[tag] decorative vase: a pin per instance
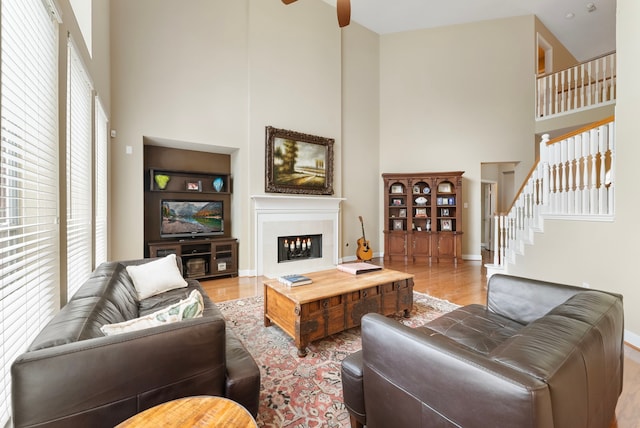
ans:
(162, 180)
(217, 184)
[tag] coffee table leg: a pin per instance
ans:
(407, 313)
(302, 351)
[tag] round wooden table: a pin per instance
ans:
(200, 411)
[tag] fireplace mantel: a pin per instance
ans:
(278, 215)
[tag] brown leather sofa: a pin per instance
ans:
(538, 354)
(74, 376)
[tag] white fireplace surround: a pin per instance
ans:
(295, 215)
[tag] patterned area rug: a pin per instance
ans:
(305, 392)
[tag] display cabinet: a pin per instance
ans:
(422, 216)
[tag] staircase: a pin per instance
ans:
(574, 177)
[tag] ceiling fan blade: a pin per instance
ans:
(343, 8)
(288, 1)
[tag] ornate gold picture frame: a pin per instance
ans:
(298, 163)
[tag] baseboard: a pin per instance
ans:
(632, 339)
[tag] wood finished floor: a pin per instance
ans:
(462, 285)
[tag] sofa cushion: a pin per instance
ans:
(474, 327)
(156, 277)
(191, 307)
(111, 281)
(79, 319)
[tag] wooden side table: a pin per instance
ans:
(200, 411)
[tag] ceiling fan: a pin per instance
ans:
(343, 7)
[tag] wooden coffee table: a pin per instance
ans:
(334, 302)
(200, 411)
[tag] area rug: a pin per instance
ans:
(305, 392)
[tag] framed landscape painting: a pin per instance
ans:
(298, 163)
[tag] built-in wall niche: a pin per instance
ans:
(174, 174)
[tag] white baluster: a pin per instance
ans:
(579, 184)
(602, 152)
(611, 180)
(598, 99)
(593, 151)
(582, 89)
(562, 193)
(612, 74)
(557, 184)
(585, 172)
(503, 236)
(590, 83)
(496, 240)
(555, 94)
(571, 208)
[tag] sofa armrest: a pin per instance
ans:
(353, 388)
(130, 372)
(243, 375)
(523, 299)
(418, 377)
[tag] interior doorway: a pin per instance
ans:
(544, 55)
(498, 190)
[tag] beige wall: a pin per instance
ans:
(454, 97)
(210, 75)
(215, 73)
(602, 254)
(360, 134)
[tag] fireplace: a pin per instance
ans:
(295, 216)
(299, 247)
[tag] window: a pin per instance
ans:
(101, 190)
(79, 172)
(29, 240)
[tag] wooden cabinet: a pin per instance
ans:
(201, 258)
(423, 216)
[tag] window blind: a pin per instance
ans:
(101, 189)
(29, 241)
(79, 172)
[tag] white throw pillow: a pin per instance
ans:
(156, 277)
(191, 307)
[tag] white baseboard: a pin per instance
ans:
(632, 338)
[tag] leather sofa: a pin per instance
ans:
(72, 375)
(538, 354)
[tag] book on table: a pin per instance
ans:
(358, 268)
(295, 280)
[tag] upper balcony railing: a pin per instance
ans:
(587, 85)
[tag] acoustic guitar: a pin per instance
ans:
(364, 251)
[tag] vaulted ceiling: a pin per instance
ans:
(585, 27)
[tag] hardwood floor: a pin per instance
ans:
(462, 285)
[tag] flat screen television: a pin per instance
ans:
(192, 219)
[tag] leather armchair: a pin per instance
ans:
(538, 354)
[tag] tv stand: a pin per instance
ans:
(201, 257)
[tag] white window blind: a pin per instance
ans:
(79, 172)
(101, 189)
(29, 242)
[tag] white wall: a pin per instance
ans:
(454, 97)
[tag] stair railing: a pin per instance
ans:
(574, 179)
(587, 85)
